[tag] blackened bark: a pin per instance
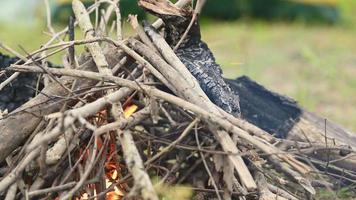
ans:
(19, 90)
(269, 111)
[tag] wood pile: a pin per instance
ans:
(127, 120)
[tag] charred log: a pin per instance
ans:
(18, 91)
(268, 110)
(196, 55)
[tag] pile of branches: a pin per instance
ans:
(127, 112)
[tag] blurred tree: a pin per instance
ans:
(223, 9)
(305, 10)
(295, 10)
(63, 9)
(130, 7)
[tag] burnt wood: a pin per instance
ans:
(194, 53)
(19, 90)
(272, 112)
(268, 110)
(280, 115)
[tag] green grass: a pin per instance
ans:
(31, 38)
(346, 193)
(316, 65)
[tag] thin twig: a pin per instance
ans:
(206, 165)
(179, 139)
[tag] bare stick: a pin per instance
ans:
(55, 153)
(49, 16)
(280, 192)
(8, 80)
(108, 13)
(141, 33)
(264, 192)
(143, 185)
(209, 116)
(197, 10)
(124, 123)
(146, 64)
(71, 49)
(187, 87)
(84, 111)
(113, 6)
(11, 193)
(180, 69)
(237, 160)
(52, 189)
(15, 75)
(206, 165)
(179, 139)
(89, 33)
(87, 172)
(24, 120)
(55, 36)
(12, 51)
(12, 176)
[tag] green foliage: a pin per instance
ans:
(223, 9)
(130, 7)
(63, 11)
(270, 10)
(234, 9)
(280, 9)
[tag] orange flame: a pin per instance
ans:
(112, 169)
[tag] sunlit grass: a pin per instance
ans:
(316, 65)
(28, 38)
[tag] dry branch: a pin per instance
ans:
(274, 153)
(126, 111)
(29, 115)
(143, 186)
(191, 91)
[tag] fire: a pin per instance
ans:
(112, 175)
(112, 168)
(129, 110)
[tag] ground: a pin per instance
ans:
(314, 64)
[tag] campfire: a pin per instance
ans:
(150, 116)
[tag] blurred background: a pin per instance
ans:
(305, 49)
